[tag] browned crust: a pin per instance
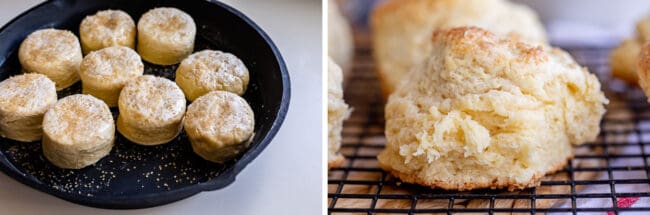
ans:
(643, 66)
(336, 162)
(621, 71)
(618, 73)
(469, 33)
(446, 185)
(478, 38)
(459, 34)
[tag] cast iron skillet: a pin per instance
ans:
(135, 176)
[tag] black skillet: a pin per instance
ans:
(135, 176)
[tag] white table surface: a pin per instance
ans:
(285, 178)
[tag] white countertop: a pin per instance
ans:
(285, 178)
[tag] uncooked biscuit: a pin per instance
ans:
(210, 70)
(401, 29)
(489, 112)
(54, 53)
(104, 72)
(107, 28)
(337, 111)
(165, 36)
(77, 132)
(151, 110)
(219, 125)
(24, 99)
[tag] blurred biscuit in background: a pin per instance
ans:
(340, 44)
(402, 29)
(623, 59)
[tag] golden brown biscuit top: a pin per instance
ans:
(474, 57)
(466, 40)
(643, 68)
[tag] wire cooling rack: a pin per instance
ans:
(609, 171)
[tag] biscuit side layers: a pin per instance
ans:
(484, 111)
(337, 111)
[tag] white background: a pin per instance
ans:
(285, 178)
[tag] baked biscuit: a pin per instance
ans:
(151, 110)
(104, 72)
(339, 35)
(165, 36)
(54, 53)
(643, 29)
(401, 29)
(219, 125)
(77, 132)
(337, 111)
(623, 61)
(483, 111)
(24, 99)
(210, 70)
(105, 29)
(643, 68)
(623, 58)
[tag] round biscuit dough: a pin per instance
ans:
(210, 70)
(151, 110)
(104, 72)
(52, 52)
(24, 99)
(165, 36)
(219, 125)
(78, 131)
(107, 28)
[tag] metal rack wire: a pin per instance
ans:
(617, 162)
